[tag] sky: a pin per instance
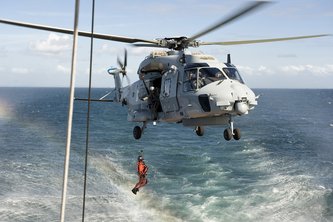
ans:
(37, 58)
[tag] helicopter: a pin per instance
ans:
(194, 89)
(179, 86)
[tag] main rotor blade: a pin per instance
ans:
(69, 31)
(250, 8)
(262, 40)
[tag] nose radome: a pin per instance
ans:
(231, 96)
(241, 108)
(242, 98)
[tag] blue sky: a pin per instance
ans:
(37, 58)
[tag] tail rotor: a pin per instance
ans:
(123, 65)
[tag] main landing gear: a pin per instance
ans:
(231, 132)
(228, 133)
(138, 131)
(199, 130)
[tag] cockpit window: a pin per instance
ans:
(211, 74)
(196, 78)
(233, 73)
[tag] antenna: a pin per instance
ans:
(228, 58)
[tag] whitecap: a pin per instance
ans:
(321, 187)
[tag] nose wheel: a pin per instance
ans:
(199, 130)
(227, 134)
(231, 132)
(236, 134)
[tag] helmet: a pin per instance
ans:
(140, 158)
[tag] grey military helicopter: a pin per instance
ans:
(179, 86)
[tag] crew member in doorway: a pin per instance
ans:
(153, 100)
(142, 172)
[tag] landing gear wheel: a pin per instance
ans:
(199, 131)
(227, 134)
(237, 134)
(137, 132)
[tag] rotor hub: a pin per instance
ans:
(176, 43)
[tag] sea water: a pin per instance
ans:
(280, 170)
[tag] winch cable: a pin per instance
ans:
(88, 110)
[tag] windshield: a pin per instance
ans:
(198, 77)
(233, 73)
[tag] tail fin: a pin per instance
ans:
(115, 72)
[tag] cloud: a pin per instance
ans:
(325, 70)
(119, 50)
(141, 51)
(53, 45)
(314, 70)
(107, 48)
(63, 69)
(265, 70)
(246, 69)
(256, 71)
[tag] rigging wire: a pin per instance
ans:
(88, 111)
(70, 111)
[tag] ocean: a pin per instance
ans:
(280, 170)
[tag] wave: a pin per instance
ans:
(124, 205)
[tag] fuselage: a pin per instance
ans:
(192, 88)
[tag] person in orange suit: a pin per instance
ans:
(142, 172)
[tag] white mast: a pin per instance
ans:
(70, 111)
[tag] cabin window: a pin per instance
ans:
(190, 79)
(167, 86)
(233, 73)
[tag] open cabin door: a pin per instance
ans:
(169, 88)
